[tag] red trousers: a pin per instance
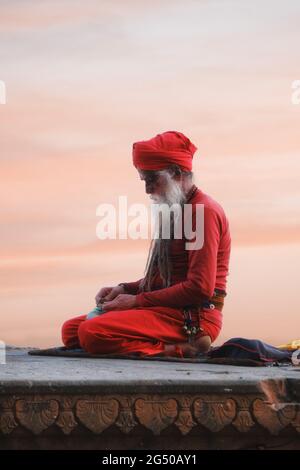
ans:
(140, 330)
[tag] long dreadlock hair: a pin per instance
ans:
(159, 251)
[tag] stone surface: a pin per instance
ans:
(58, 402)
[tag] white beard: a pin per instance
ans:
(174, 197)
(173, 191)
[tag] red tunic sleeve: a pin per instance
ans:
(201, 273)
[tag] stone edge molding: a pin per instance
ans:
(155, 412)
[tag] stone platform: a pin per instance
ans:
(75, 403)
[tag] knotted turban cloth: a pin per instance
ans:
(163, 150)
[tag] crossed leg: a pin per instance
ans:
(145, 331)
(120, 332)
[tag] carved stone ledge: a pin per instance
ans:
(97, 413)
(185, 421)
(37, 414)
(273, 418)
(243, 421)
(296, 421)
(66, 420)
(215, 412)
(126, 421)
(155, 412)
(7, 417)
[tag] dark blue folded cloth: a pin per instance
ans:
(253, 349)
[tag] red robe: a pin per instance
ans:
(158, 318)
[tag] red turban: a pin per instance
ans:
(163, 150)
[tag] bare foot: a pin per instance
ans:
(201, 345)
(187, 350)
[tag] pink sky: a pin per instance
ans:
(86, 80)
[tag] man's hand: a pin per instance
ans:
(108, 293)
(121, 302)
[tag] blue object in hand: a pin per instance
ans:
(95, 312)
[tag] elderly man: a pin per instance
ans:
(176, 308)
